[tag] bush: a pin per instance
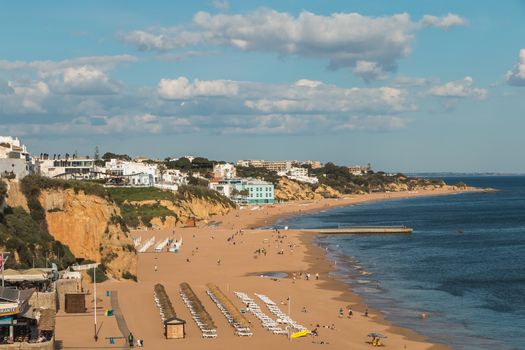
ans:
(133, 215)
(132, 194)
(100, 272)
(129, 276)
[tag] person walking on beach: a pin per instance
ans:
(317, 276)
(350, 313)
(131, 339)
(341, 312)
(156, 268)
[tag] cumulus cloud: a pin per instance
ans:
(182, 89)
(516, 76)
(84, 81)
(445, 22)
(371, 46)
(181, 106)
(24, 97)
(82, 75)
(369, 71)
(458, 89)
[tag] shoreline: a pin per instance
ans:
(316, 257)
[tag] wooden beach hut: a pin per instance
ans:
(174, 328)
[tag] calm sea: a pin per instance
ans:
(464, 265)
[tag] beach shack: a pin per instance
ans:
(17, 322)
(174, 327)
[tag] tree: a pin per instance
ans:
(96, 156)
(108, 156)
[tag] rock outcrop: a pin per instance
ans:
(190, 208)
(15, 197)
(91, 226)
(289, 190)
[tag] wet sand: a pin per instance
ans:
(239, 270)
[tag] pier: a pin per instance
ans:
(363, 230)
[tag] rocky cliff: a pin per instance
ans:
(289, 190)
(190, 207)
(91, 227)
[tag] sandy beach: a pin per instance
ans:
(314, 303)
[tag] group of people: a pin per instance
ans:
(131, 341)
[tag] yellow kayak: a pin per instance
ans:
(300, 334)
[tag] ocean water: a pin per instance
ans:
(464, 265)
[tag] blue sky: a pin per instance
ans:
(404, 85)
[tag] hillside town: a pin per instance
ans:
(110, 169)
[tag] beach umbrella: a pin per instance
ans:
(377, 335)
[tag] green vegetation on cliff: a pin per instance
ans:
(29, 243)
(339, 178)
(133, 215)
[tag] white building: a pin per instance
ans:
(15, 161)
(69, 168)
(137, 174)
(359, 170)
(299, 174)
(224, 171)
(272, 165)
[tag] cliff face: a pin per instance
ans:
(288, 190)
(15, 197)
(191, 207)
(90, 226)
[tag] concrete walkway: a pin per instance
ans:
(121, 322)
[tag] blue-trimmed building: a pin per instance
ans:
(245, 191)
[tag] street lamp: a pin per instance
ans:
(3, 259)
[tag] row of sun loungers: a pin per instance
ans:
(266, 321)
(161, 245)
(199, 314)
(137, 241)
(147, 245)
(281, 316)
(163, 302)
(234, 317)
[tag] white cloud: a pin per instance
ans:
(324, 98)
(49, 67)
(24, 97)
(85, 81)
(445, 22)
(516, 76)
(82, 75)
(458, 89)
(369, 71)
(221, 5)
(182, 89)
(370, 45)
